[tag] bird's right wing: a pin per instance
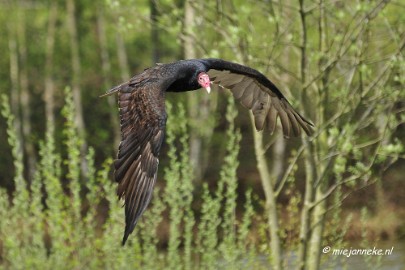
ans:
(143, 121)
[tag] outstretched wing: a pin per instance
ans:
(143, 120)
(258, 94)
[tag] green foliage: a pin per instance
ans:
(372, 262)
(179, 190)
(56, 222)
(229, 178)
(207, 239)
(16, 151)
(16, 215)
(336, 230)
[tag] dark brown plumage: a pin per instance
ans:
(143, 118)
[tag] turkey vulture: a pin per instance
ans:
(143, 118)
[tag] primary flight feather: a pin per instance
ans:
(143, 118)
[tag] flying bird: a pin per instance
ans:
(143, 118)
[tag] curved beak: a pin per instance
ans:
(208, 88)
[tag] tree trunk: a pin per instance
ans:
(193, 100)
(381, 200)
(76, 80)
(189, 25)
(200, 105)
(106, 68)
(154, 32)
(278, 159)
(122, 57)
(14, 79)
(271, 198)
(310, 167)
(25, 97)
(49, 92)
(76, 67)
(317, 226)
(268, 184)
(317, 180)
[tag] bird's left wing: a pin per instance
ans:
(143, 120)
(258, 94)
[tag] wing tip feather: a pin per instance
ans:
(126, 235)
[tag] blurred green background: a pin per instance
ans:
(227, 196)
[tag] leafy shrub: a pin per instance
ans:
(70, 218)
